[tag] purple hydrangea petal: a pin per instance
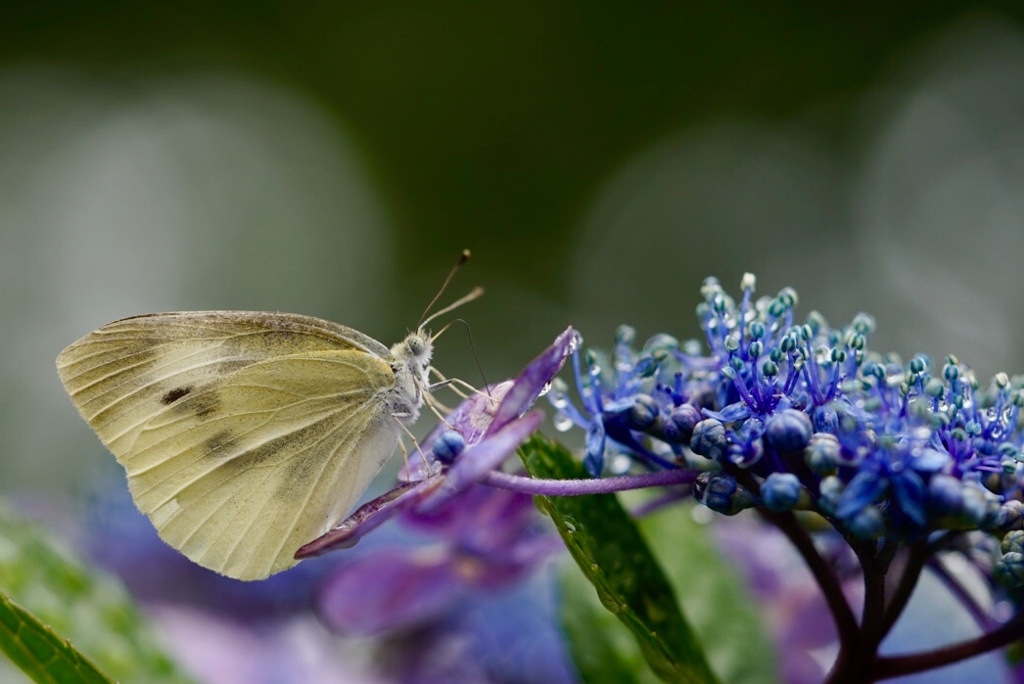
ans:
(481, 458)
(389, 589)
(731, 413)
(863, 490)
(470, 419)
(217, 649)
(930, 461)
(532, 381)
(911, 495)
(369, 516)
(479, 511)
(594, 458)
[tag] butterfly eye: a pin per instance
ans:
(416, 345)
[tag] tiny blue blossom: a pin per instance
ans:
(781, 491)
(911, 451)
(779, 414)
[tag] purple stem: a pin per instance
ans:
(604, 485)
(894, 666)
(915, 562)
(824, 575)
(981, 617)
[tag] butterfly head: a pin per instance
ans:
(410, 361)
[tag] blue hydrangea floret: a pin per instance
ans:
(778, 414)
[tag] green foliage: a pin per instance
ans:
(603, 649)
(39, 652)
(610, 551)
(713, 597)
(43, 584)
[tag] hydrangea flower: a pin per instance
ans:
(901, 459)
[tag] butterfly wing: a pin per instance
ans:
(243, 435)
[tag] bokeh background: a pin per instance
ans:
(600, 159)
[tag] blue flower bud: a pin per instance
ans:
(868, 523)
(830, 490)
(448, 446)
(945, 496)
(721, 493)
(1009, 570)
(823, 453)
(1013, 542)
(788, 432)
(863, 323)
(1011, 450)
(950, 371)
(934, 388)
(781, 491)
(1011, 516)
(788, 297)
(643, 414)
(873, 369)
(990, 518)
(825, 419)
(625, 334)
(748, 282)
(815, 322)
(678, 428)
(975, 505)
(709, 440)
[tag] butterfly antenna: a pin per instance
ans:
(475, 293)
(472, 347)
(463, 258)
(476, 359)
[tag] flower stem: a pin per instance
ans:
(956, 588)
(603, 485)
(895, 666)
(918, 556)
(846, 624)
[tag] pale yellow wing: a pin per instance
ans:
(243, 436)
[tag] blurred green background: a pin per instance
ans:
(600, 159)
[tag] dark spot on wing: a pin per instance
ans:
(200, 402)
(205, 404)
(175, 394)
(215, 443)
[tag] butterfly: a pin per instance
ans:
(245, 435)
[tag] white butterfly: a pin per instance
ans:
(245, 435)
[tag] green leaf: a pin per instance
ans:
(603, 649)
(713, 596)
(610, 551)
(44, 584)
(39, 652)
